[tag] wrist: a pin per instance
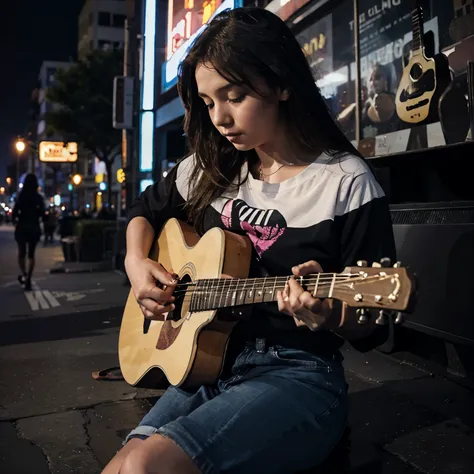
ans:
(131, 258)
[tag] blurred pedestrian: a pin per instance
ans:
(50, 224)
(28, 210)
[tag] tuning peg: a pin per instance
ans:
(363, 316)
(385, 262)
(397, 264)
(399, 319)
(382, 320)
(361, 263)
(376, 265)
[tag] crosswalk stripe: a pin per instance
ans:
(36, 299)
(51, 299)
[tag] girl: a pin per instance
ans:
(267, 161)
(28, 211)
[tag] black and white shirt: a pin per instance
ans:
(334, 212)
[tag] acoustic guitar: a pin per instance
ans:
(423, 81)
(190, 345)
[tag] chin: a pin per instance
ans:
(242, 146)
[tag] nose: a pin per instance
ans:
(221, 116)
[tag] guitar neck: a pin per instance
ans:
(417, 27)
(224, 293)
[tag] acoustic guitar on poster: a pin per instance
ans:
(190, 345)
(423, 81)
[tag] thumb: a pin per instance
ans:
(159, 273)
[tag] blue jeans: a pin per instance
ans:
(280, 411)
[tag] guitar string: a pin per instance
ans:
(322, 277)
(324, 285)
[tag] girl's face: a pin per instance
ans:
(246, 119)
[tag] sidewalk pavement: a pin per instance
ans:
(55, 419)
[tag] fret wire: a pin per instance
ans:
(204, 293)
(198, 299)
(227, 293)
(316, 287)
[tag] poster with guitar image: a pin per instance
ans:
(413, 81)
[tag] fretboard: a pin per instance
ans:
(225, 293)
(417, 25)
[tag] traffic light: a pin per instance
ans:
(122, 117)
(121, 175)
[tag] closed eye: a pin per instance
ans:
(237, 99)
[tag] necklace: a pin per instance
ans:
(262, 175)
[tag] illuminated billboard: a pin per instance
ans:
(58, 152)
(186, 20)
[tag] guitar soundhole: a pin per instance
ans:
(416, 72)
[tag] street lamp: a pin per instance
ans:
(9, 181)
(20, 148)
(77, 179)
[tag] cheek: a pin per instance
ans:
(261, 117)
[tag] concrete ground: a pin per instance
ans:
(55, 419)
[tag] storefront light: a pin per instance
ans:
(144, 183)
(148, 92)
(147, 128)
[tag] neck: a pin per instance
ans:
(281, 151)
(223, 293)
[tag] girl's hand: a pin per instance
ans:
(300, 304)
(152, 286)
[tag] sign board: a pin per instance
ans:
(286, 8)
(186, 21)
(58, 152)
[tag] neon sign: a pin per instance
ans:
(186, 20)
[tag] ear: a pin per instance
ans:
(284, 95)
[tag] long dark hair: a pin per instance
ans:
(29, 192)
(244, 44)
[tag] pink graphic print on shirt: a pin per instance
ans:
(263, 226)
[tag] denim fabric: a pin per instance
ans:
(281, 410)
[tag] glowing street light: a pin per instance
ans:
(77, 179)
(20, 146)
(9, 181)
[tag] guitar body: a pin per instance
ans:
(416, 89)
(189, 351)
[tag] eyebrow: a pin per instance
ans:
(225, 88)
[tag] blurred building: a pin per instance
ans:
(52, 176)
(101, 26)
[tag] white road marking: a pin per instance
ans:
(40, 299)
(51, 299)
(76, 295)
(36, 299)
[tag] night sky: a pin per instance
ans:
(31, 31)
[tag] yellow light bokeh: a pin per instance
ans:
(20, 146)
(77, 179)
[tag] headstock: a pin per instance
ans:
(382, 286)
